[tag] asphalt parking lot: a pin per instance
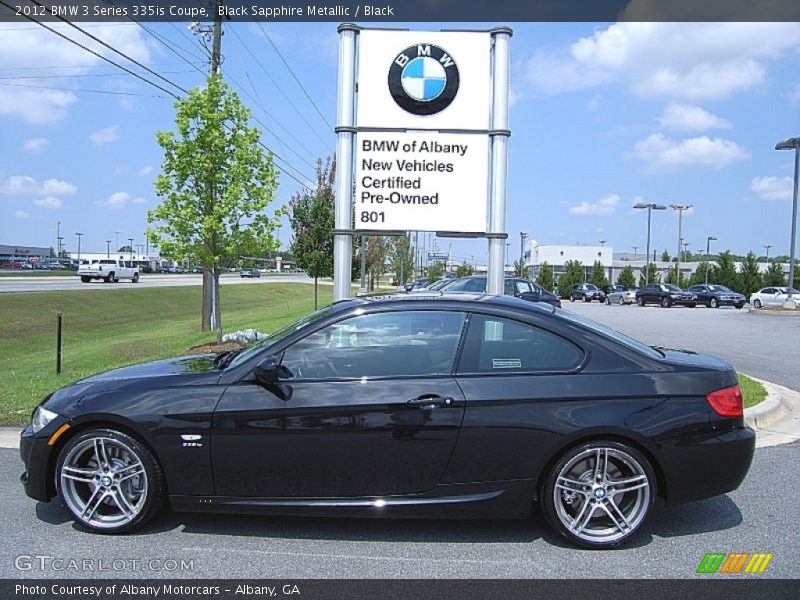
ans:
(761, 516)
(764, 346)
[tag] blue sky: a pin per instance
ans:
(602, 114)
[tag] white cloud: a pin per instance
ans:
(772, 188)
(24, 47)
(105, 136)
(146, 170)
(48, 202)
(658, 59)
(602, 208)
(25, 185)
(662, 154)
(685, 117)
(21, 214)
(594, 103)
(119, 200)
(37, 144)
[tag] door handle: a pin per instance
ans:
(431, 401)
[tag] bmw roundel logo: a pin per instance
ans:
(423, 79)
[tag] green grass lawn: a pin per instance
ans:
(26, 273)
(108, 329)
(752, 391)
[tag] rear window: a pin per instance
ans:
(108, 262)
(615, 335)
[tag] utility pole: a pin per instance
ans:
(522, 236)
(80, 235)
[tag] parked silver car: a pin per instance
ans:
(619, 294)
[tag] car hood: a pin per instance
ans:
(181, 365)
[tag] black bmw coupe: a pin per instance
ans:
(412, 405)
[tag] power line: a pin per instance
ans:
(278, 52)
(64, 89)
(75, 75)
(97, 54)
(73, 66)
(280, 89)
(122, 54)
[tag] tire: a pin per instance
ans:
(135, 278)
(739, 306)
(691, 305)
(621, 301)
(665, 303)
(713, 303)
(94, 497)
(587, 299)
(575, 485)
(756, 303)
(571, 298)
(85, 279)
(109, 278)
(608, 301)
(640, 301)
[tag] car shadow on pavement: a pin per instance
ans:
(715, 514)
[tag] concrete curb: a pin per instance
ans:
(766, 412)
(774, 313)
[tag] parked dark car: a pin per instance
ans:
(586, 292)
(513, 286)
(714, 296)
(418, 283)
(457, 406)
(666, 295)
(252, 273)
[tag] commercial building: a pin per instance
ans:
(19, 254)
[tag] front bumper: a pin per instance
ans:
(704, 465)
(37, 457)
(730, 301)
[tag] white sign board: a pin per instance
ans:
(424, 80)
(426, 181)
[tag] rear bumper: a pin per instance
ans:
(699, 466)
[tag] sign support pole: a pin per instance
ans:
(499, 133)
(343, 243)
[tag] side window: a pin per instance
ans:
(475, 285)
(497, 345)
(458, 286)
(522, 286)
(377, 345)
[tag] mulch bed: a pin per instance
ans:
(213, 348)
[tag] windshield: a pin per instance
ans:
(718, 288)
(273, 337)
(615, 335)
(591, 287)
(671, 288)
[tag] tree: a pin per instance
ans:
(464, 270)
(699, 276)
(750, 279)
(655, 276)
(774, 276)
(665, 256)
(545, 277)
(216, 181)
(400, 259)
(724, 271)
(626, 277)
(311, 216)
(520, 268)
(376, 252)
(598, 276)
(435, 271)
(573, 275)
(675, 277)
(127, 249)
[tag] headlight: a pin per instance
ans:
(41, 418)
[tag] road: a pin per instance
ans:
(61, 283)
(761, 345)
(761, 516)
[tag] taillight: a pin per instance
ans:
(727, 402)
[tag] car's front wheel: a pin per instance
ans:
(665, 303)
(640, 301)
(599, 494)
(109, 481)
(135, 278)
(621, 301)
(757, 304)
(572, 298)
(713, 303)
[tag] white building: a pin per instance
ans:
(557, 255)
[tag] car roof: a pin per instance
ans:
(462, 300)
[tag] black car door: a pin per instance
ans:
(366, 406)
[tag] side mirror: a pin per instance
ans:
(267, 370)
(408, 287)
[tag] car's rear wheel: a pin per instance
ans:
(608, 300)
(640, 301)
(85, 279)
(109, 481)
(572, 298)
(621, 301)
(665, 303)
(713, 303)
(756, 303)
(135, 278)
(110, 277)
(599, 494)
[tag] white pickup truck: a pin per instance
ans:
(109, 270)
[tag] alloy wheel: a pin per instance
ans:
(602, 495)
(104, 482)
(621, 301)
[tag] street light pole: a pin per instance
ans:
(130, 246)
(522, 236)
(767, 247)
(792, 143)
(108, 248)
(650, 207)
(708, 251)
(680, 208)
(80, 235)
(116, 241)
(58, 239)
